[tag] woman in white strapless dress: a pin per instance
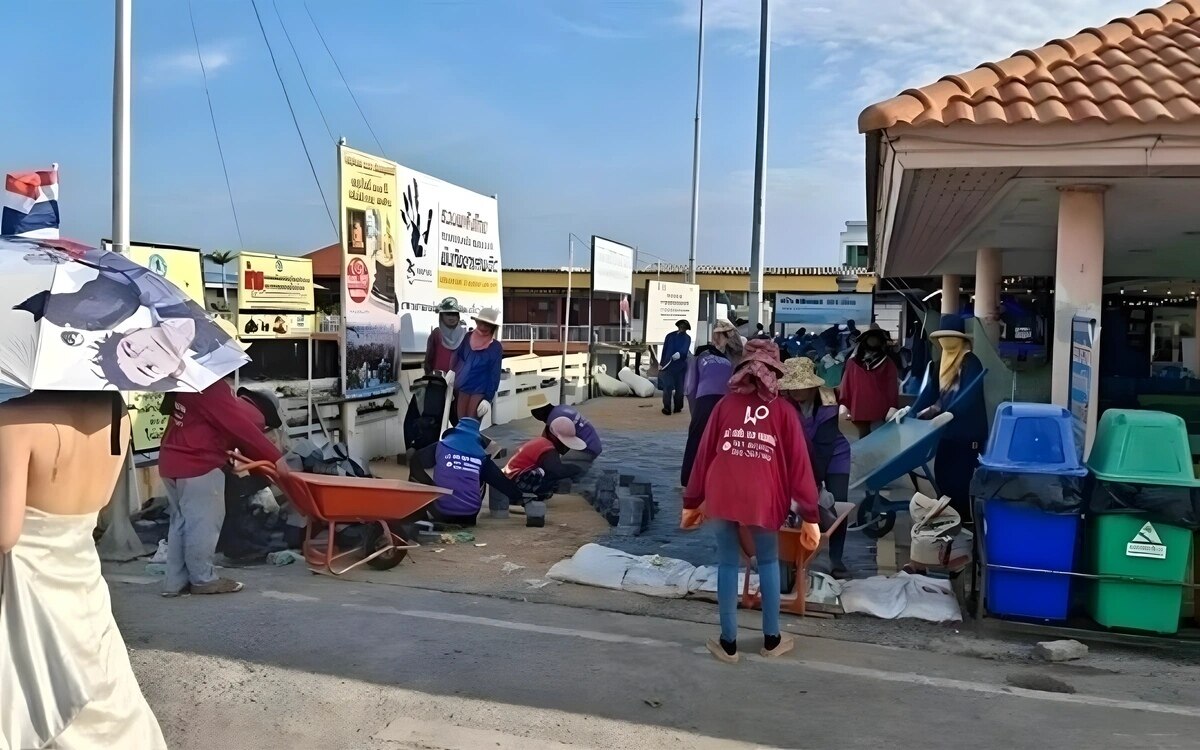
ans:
(65, 675)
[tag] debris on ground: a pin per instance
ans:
(1044, 683)
(457, 537)
(156, 569)
(284, 557)
(539, 583)
(652, 702)
(1056, 651)
(510, 567)
(493, 558)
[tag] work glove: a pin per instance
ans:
(843, 412)
(810, 536)
(891, 413)
(483, 410)
(675, 356)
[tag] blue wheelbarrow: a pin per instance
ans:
(903, 446)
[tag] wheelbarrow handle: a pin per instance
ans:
(241, 464)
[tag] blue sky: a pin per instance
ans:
(577, 113)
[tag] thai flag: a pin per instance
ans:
(31, 204)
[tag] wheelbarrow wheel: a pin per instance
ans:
(376, 540)
(874, 525)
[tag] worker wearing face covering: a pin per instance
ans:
(954, 384)
(870, 387)
(444, 341)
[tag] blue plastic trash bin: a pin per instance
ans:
(1033, 439)
(1021, 536)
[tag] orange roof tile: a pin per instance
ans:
(1139, 69)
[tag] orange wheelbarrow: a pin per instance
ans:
(330, 500)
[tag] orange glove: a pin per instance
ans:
(692, 519)
(810, 536)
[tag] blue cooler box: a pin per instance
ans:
(1021, 536)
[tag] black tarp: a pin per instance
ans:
(1177, 506)
(1050, 493)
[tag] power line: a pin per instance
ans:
(295, 122)
(216, 135)
(303, 74)
(349, 90)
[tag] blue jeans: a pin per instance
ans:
(729, 549)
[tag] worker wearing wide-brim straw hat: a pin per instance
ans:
(828, 448)
(953, 383)
(478, 373)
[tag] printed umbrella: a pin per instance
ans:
(76, 318)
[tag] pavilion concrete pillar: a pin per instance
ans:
(950, 294)
(987, 291)
(1078, 273)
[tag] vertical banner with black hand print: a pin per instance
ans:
(451, 248)
(368, 211)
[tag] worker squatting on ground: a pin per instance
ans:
(545, 412)
(460, 463)
(751, 469)
(537, 466)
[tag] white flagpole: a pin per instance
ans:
(120, 540)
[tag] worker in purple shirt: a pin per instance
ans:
(545, 412)
(706, 382)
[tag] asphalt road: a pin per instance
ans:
(298, 661)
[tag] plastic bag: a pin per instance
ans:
(1049, 493)
(1177, 506)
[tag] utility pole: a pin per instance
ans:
(121, 138)
(760, 167)
(691, 275)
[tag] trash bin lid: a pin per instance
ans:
(1147, 447)
(1033, 439)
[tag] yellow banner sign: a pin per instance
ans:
(182, 267)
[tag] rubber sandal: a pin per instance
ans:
(714, 648)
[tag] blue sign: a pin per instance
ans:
(1081, 392)
(825, 309)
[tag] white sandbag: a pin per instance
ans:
(902, 596)
(655, 575)
(704, 580)
(594, 565)
(608, 385)
(642, 388)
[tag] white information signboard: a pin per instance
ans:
(668, 302)
(612, 266)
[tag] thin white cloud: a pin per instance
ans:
(182, 65)
(916, 41)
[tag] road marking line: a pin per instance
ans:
(283, 596)
(983, 687)
(590, 635)
(911, 678)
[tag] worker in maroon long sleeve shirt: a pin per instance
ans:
(203, 428)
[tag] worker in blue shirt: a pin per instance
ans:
(673, 366)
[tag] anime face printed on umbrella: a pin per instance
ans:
(146, 357)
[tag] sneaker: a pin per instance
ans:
(219, 586)
(667, 412)
(717, 650)
(185, 591)
(784, 646)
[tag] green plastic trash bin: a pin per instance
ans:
(1143, 447)
(1130, 546)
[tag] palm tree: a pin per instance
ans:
(222, 258)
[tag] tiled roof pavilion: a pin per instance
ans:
(1144, 69)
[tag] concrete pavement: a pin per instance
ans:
(299, 661)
